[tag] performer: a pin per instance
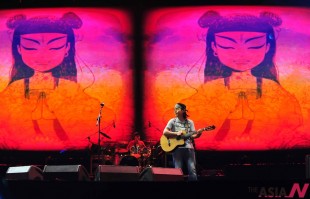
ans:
(136, 145)
(175, 128)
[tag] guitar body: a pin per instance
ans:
(169, 144)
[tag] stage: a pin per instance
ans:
(229, 175)
(206, 188)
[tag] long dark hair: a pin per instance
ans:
(183, 108)
(216, 23)
(21, 25)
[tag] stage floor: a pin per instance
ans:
(206, 188)
(221, 175)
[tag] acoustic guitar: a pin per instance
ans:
(169, 144)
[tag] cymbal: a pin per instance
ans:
(108, 143)
(121, 150)
(105, 135)
(136, 155)
(122, 142)
(153, 142)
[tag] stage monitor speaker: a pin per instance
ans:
(24, 173)
(307, 163)
(117, 173)
(65, 173)
(161, 174)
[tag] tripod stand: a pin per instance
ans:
(100, 158)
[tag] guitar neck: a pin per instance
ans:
(192, 133)
(204, 129)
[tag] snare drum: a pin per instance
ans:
(146, 151)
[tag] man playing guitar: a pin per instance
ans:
(175, 129)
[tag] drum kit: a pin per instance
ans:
(115, 153)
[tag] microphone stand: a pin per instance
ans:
(98, 124)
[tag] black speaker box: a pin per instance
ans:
(307, 163)
(65, 173)
(24, 173)
(161, 174)
(117, 173)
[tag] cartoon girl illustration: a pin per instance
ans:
(44, 103)
(241, 94)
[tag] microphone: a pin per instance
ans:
(102, 104)
(98, 120)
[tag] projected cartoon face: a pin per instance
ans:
(43, 51)
(240, 51)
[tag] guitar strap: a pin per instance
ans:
(186, 126)
(174, 123)
(187, 131)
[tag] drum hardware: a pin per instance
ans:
(146, 151)
(129, 160)
(105, 153)
(115, 153)
(119, 153)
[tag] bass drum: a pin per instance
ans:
(129, 160)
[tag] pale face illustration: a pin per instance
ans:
(43, 51)
(240, 51)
